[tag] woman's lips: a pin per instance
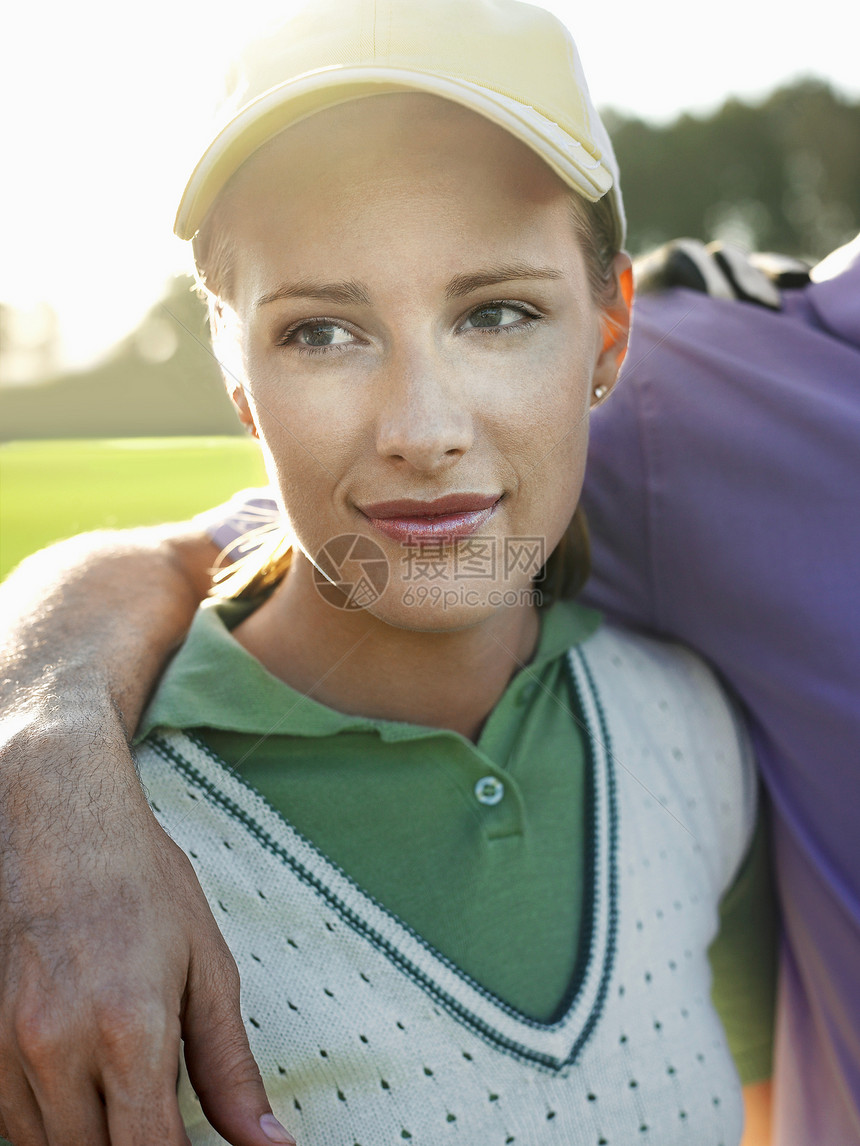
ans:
(446, 518)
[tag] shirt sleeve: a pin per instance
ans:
(743, 960)
(236, 525)
(616, 502)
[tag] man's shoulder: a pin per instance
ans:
(697, 304)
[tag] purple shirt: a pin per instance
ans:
(723, 494)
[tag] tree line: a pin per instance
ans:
(782, 175)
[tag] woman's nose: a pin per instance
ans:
(424, 420)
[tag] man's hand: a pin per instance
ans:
(109, 955)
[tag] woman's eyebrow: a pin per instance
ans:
(356, 293)
(466, 283)
(346, 292)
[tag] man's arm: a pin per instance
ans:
(93, 892)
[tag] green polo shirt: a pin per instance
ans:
(480, 847)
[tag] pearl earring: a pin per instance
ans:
(600, 393)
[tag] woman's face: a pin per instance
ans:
(418, 346)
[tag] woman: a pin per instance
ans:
(467, 852)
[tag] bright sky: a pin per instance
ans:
(100, 99)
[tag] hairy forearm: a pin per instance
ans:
(109, 954)
(88, 624)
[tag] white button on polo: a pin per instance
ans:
(489, 790)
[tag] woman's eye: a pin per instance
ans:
(495, 315)
(318, 335)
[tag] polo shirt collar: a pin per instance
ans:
(213, 682)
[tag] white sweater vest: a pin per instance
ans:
(366, 1036)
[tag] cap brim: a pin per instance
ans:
(288, 103)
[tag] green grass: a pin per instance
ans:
(51, 490)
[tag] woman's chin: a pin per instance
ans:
(448, 608)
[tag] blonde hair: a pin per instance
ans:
(257, 571)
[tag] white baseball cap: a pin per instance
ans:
(513, 63)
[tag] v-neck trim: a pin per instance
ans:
(553, 1045)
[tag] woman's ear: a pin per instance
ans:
(615, 328)
(240, 400)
